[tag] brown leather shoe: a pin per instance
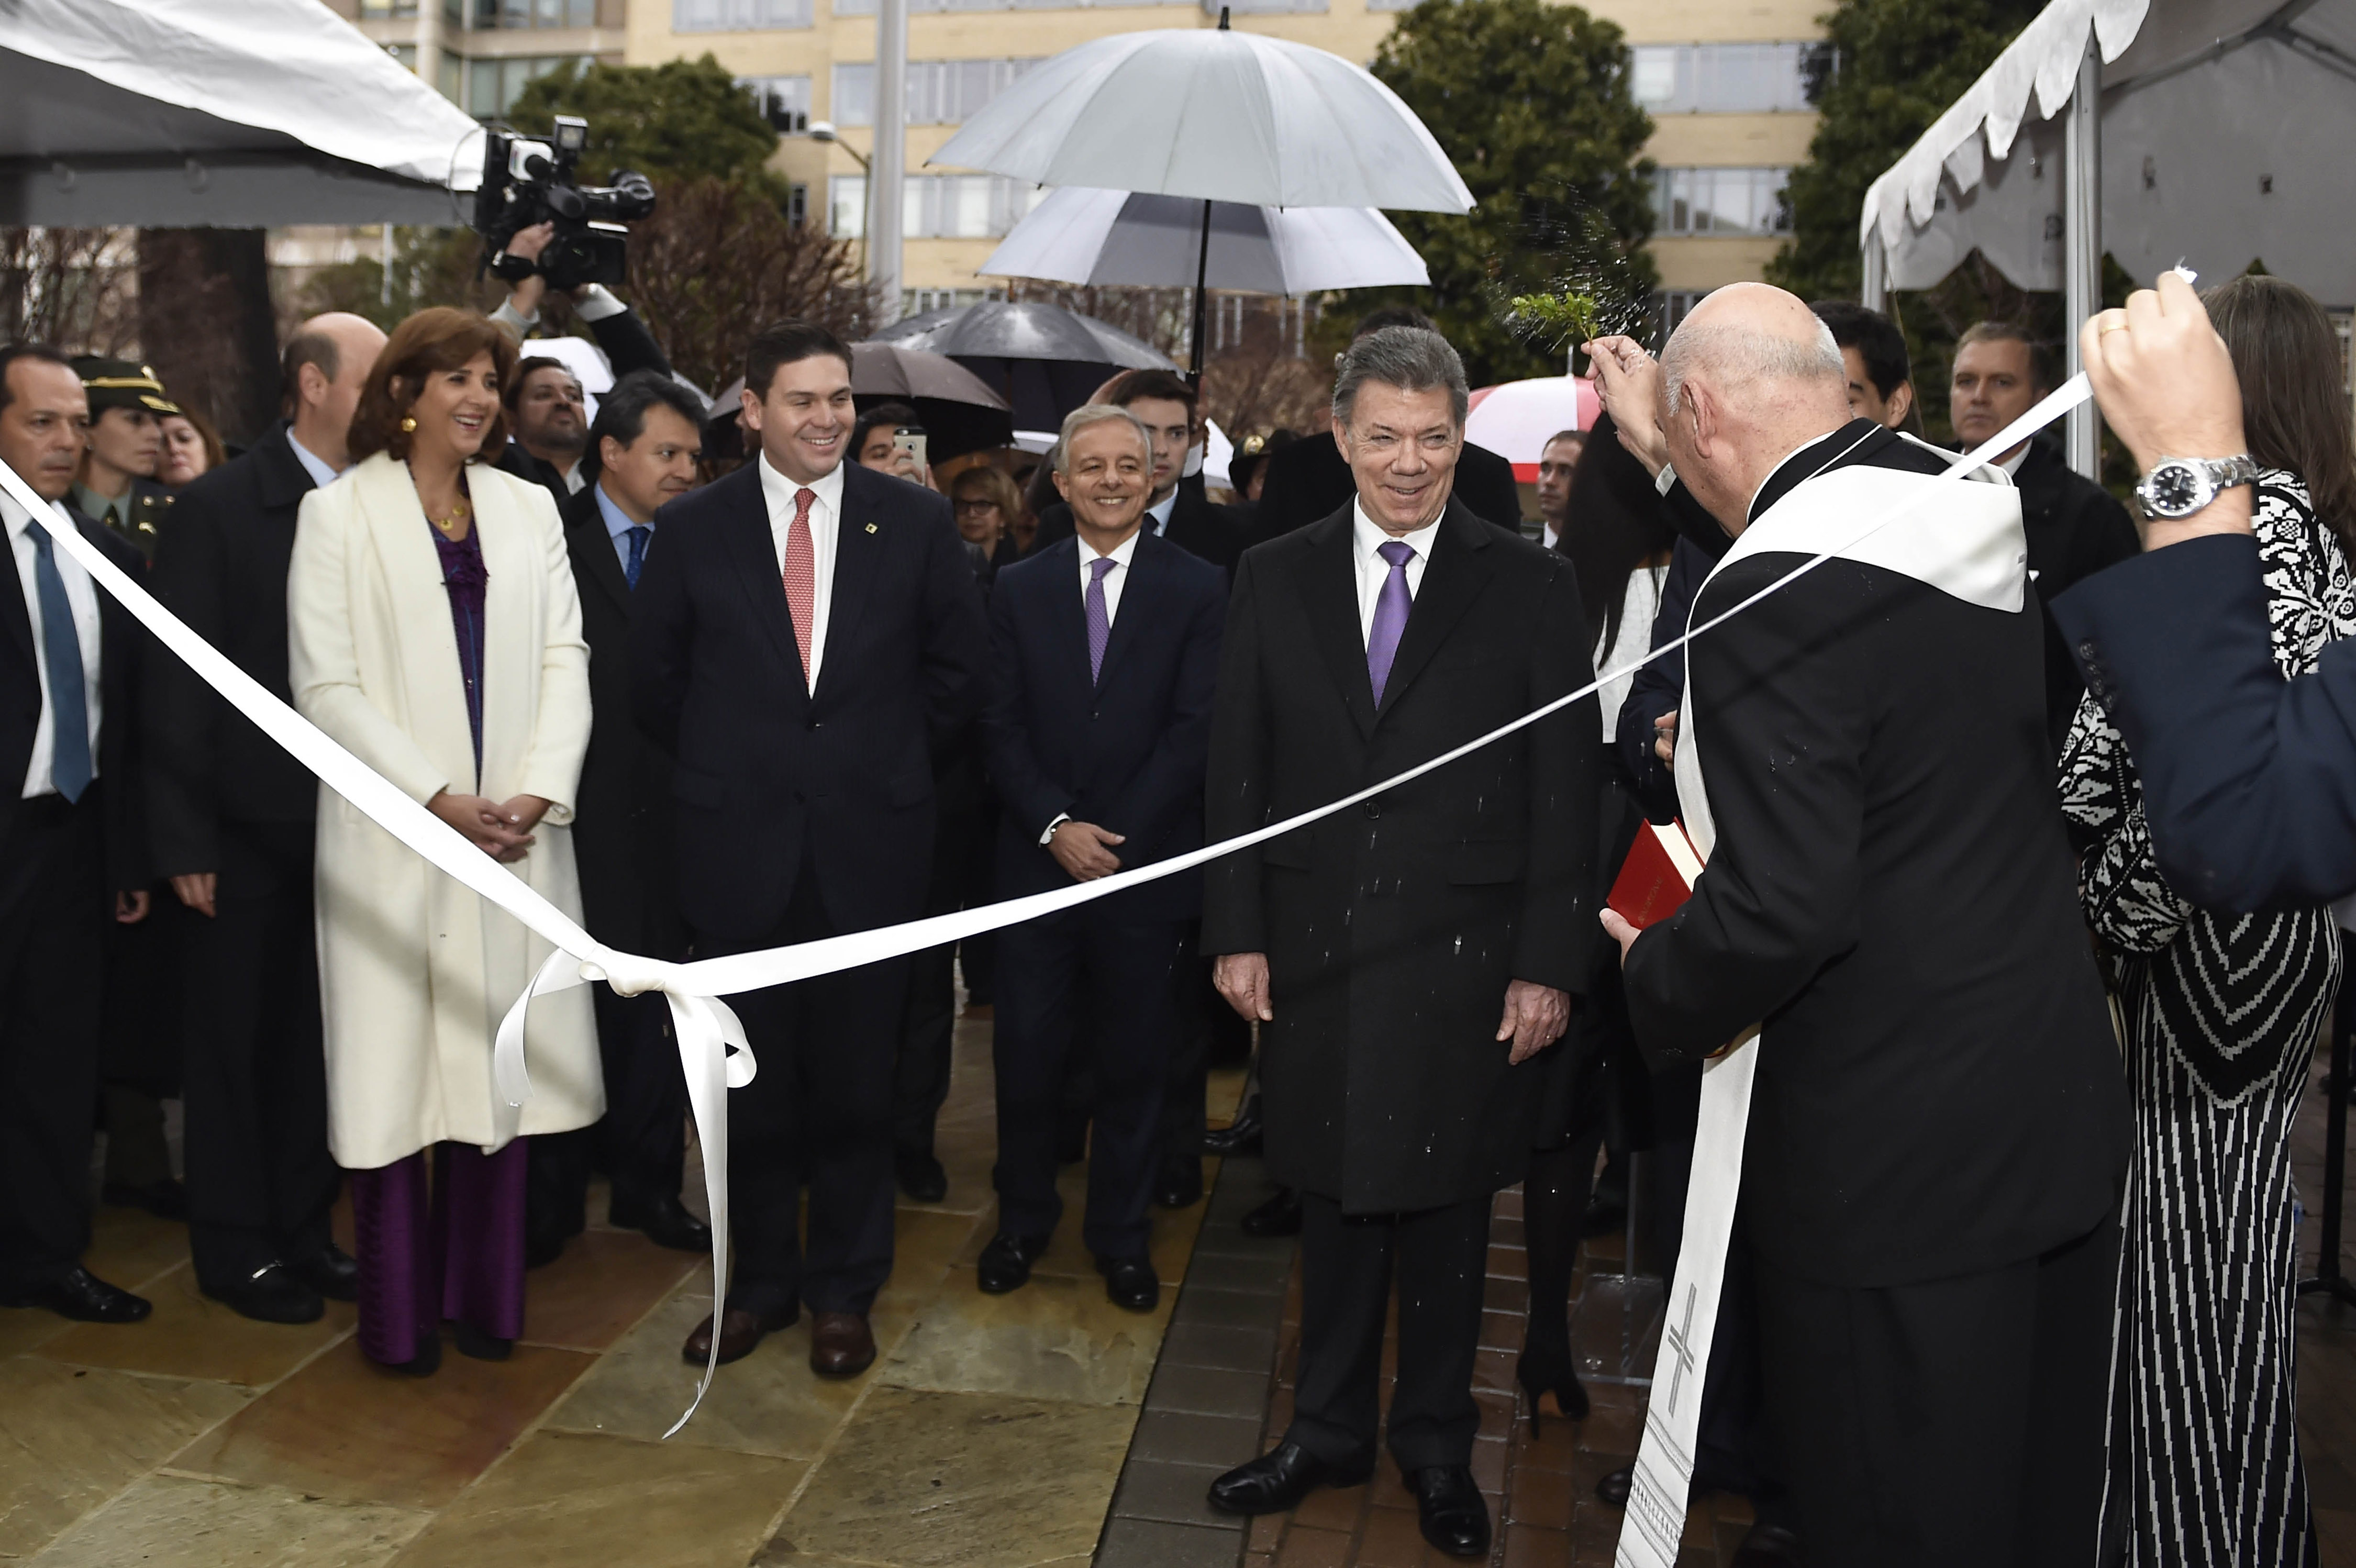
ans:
(841, 1344)
(740, 1331)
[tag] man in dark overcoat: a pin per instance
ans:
(1407, 957)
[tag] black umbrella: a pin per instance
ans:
(1043, 358)
(958, 411)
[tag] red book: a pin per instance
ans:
(1656, 876)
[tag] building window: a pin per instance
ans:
(494, 85)
(405, 53)
(1279, 7)
(1719, 201)
(797, 204)
(1721, 78)
(491, 13)
(374, 10)
(737, 16)
(937, 206)
(923, 7)
(784, 101)
(923, 301)
(940, 92)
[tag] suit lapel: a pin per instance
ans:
(1066, 616)
(13, 610)
(1328, 591)
(753, 554)
(1138, 597)
(858, 548)
(592, 543)
(1453, 578)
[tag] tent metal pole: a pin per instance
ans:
(2081, 195)
(887, 177)
(1874, 292)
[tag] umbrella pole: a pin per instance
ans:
(1202, 271)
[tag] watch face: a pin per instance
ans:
(2174, 489)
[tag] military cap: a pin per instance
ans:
(120, 383)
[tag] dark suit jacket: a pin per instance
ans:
(2249, 780)
(2075, 529)
(1938, 1091)
(1392, 928)
(768, 770)
(126, 656)
(223, 568)
(623, 828)
(1310, 478)
(1198, 525)
(1125, 751)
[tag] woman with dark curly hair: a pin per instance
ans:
(435, 632)
(2222, 1013)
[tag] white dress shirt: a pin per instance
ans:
(1120, 555)
(1366, 539)
(825, 521)
(81, 594)
(312, 464)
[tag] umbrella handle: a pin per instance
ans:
(1202, 271)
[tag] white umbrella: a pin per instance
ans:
(1216, 115)
(198, 113)
(1515, 419)
(1081, 236)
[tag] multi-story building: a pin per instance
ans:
(1724, 80)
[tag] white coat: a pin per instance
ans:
(415, 971)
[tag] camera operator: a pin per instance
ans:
(616, 327)
(549, 413)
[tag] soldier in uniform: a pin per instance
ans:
(117, 485)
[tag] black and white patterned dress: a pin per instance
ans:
(2223, 1012)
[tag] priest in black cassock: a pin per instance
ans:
(1937, 1127)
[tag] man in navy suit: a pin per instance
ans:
(805, 634)
(2249, 780)
(1105, 652)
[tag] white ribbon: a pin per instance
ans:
(706, 1028)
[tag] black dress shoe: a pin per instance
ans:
(272, 1294)
(1240, 1137)
(921, 1175)
(1280, 1216)
(164, 1198)
(1449, 1505)
(1279, 1479)
(1006, 1263)
(1131, 1283)
(1615, 1487)
(331, 1272)
(1179, 1183)
(82, 1295)
(666, 1221)
(481, 1347)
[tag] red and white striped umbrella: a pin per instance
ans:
(1514, 419)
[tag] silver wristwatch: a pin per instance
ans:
(2179, 486)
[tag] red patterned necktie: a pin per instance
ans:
(802, 574)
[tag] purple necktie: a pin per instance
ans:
(1099, 619)
(1390, 615)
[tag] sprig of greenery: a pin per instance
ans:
(1565, 318)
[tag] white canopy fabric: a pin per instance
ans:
(243, 115)
(1100, 237)
(2222, 129)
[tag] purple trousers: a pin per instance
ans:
(458, 1255)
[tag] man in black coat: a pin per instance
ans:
(233, 816)
(1104, 649)
(805, 635)
(642, 454)
(2075, 528)
(1176, 509)
(1937, 1132)
(1377, 947)
(72, 848)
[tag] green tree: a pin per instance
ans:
(680, 119)
(1531, 103)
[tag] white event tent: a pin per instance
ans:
(2210, 132)
(233, 113)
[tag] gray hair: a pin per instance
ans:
(1089, 414)
(1741, 357)
(1412, 358)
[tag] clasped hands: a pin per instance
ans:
(500, 829)
(1536, 1016)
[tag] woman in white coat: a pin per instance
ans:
(435, 633)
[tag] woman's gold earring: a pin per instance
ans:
(407, 425)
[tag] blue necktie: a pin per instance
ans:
(69, 765)
(639, 534)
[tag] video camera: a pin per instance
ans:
(527, 182)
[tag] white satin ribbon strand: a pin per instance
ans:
(712, 1044)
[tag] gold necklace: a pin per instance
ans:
(456, 520)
